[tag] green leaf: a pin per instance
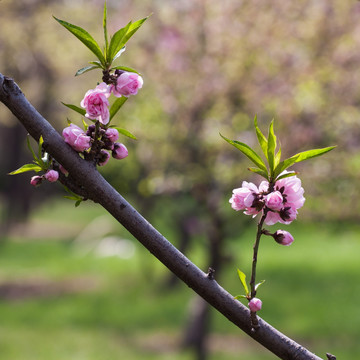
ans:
(271, 146)
(41, 141)
(119, 53)
(277, 157)
(75, 108)
(85, 38)
(78, 203)
(260, 172)
(86, 126)
(260, 283)
(242, 278)
(248, 152)
(30, 148)
(125, 132)
(238, 297)
(261, 137)
(115, 107)
(125, 68)
(305, 155)
(117, 43)
(25, 168)
(86, 69)
(105, 32)
(283, 176)
(121, 37)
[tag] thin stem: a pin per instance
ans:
(254, 321)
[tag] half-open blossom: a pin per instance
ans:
(76, 138)
(119, 151)
(127, 84)
(283, 237)
(96, 103)
(244, 197)
(255, 304)
(51, 175)
(36, 180)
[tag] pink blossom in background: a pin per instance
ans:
(36, 180)
(283, 237)
(255, 304)
(112, 134)
(51, 175)
(105, 156)
(127, 84)
(120, 151)
(76, 138)
(96, 103)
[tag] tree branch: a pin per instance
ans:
(102, 192)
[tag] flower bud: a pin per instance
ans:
(51, 175)
(112, 134)
(120, 151)
(76, 138)
(283, 237)
(274, 200)
(255, 304)
(127, 84)
(36, 180)
(104, 158)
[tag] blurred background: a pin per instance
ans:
(75, 285)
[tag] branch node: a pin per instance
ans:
(211, 273)
(10, 87)
(330, 356)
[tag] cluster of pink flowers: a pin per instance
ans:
(282, 201)
(96, 102)
(81, 141)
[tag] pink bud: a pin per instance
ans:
(36, 180)
(283, 237)
(51, 175)
(274, 200)
(128, 83)
(120, 151)
(63, 170)
(255, 304)
(105, 156)
(112, 134)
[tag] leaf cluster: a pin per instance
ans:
(274, 168)
(113, 47)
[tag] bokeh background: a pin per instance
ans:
(75, 285)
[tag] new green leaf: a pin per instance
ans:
(125, 133)
(86, 69)
(248, 152)
(115, 107)
(25, 168)
(271, 146)
(242, 278)
(76, 109)
(261, 137)
(85, 38)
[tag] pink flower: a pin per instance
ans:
(255, 304)
(292, 191)
(51, 175)
(112, 134)
(243, 198)
(105, 156)
(283, 237)
(76, 138)
(274, 200)
(96, 103)
(120, 151)
(36, 180)
(127, 84)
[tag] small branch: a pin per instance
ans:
(102, 192)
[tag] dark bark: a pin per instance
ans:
(102, 192)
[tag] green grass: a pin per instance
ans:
(113, 308)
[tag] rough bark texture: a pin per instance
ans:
(100, 191)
